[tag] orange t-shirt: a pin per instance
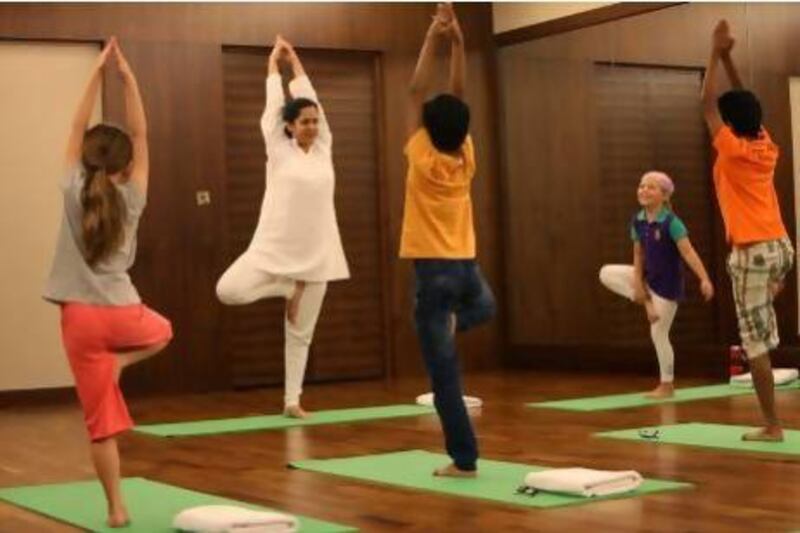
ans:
(437, 222)
(744, 177)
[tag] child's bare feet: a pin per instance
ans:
(118, 518)
(295, 411)
(650, 309)
(664, 390)
(293, 303)
(768, 434)
(452, 470)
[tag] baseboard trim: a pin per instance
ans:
(15, 398)
(691, 361)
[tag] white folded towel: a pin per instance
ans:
(782, 376)
(427, 400)
(230, 519)
(584, 481)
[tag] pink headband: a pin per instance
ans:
(664, 181)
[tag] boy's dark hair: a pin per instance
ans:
(446, 118)
(741, 110)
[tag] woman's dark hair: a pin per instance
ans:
(742, 111)
(446, 118)
(292, 110)
(106, 151)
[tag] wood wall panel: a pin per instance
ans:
(176, 49)
(551, 224)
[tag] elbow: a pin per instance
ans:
(138, 133)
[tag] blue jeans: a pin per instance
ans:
(445, 287)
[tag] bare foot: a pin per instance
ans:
(652, 316)
(118, 518)
(452, 470)
(768, 434)
(293, 303)
(664, 390)
(295, 411)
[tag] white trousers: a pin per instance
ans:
(245, 282)
(619, 279)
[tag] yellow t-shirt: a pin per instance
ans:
(437, 222)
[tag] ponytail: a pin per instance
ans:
(106, 152)
(103, 211)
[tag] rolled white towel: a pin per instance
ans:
(427, 400)
(781, 376)
(230, 519)
(584, 481)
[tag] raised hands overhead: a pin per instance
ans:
(107, 53)
(722, 41)
(448, 24)
(123, 67)
(283, 50)
(83, 112)
(444, 24)
(278, 50)
(135, 119)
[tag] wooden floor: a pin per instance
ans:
(734, 491)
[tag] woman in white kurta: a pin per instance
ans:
(296, 249)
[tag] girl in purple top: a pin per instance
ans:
(655, 280)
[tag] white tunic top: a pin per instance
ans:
(297, 234)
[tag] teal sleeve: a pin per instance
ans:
(634, 235)
(677, 229)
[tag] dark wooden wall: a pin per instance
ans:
(177, 53)
(553, 191)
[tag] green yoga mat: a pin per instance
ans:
(497, 481)
(151, 505)
(261, 423)
(637, 399)
(711, 436)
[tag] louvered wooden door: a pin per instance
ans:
(350, 339)
(650, 118)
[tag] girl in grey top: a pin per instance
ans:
(104, 325)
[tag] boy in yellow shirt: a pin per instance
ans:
(438, 235)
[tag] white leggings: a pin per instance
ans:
(619, 279)
(245, 282)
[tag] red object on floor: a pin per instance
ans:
(737, 361)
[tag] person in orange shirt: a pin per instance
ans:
(761, 254)
(438, 235)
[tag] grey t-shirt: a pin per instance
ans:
(107, 283)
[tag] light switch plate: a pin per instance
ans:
(203, 198)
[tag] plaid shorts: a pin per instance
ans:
(754, 270)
